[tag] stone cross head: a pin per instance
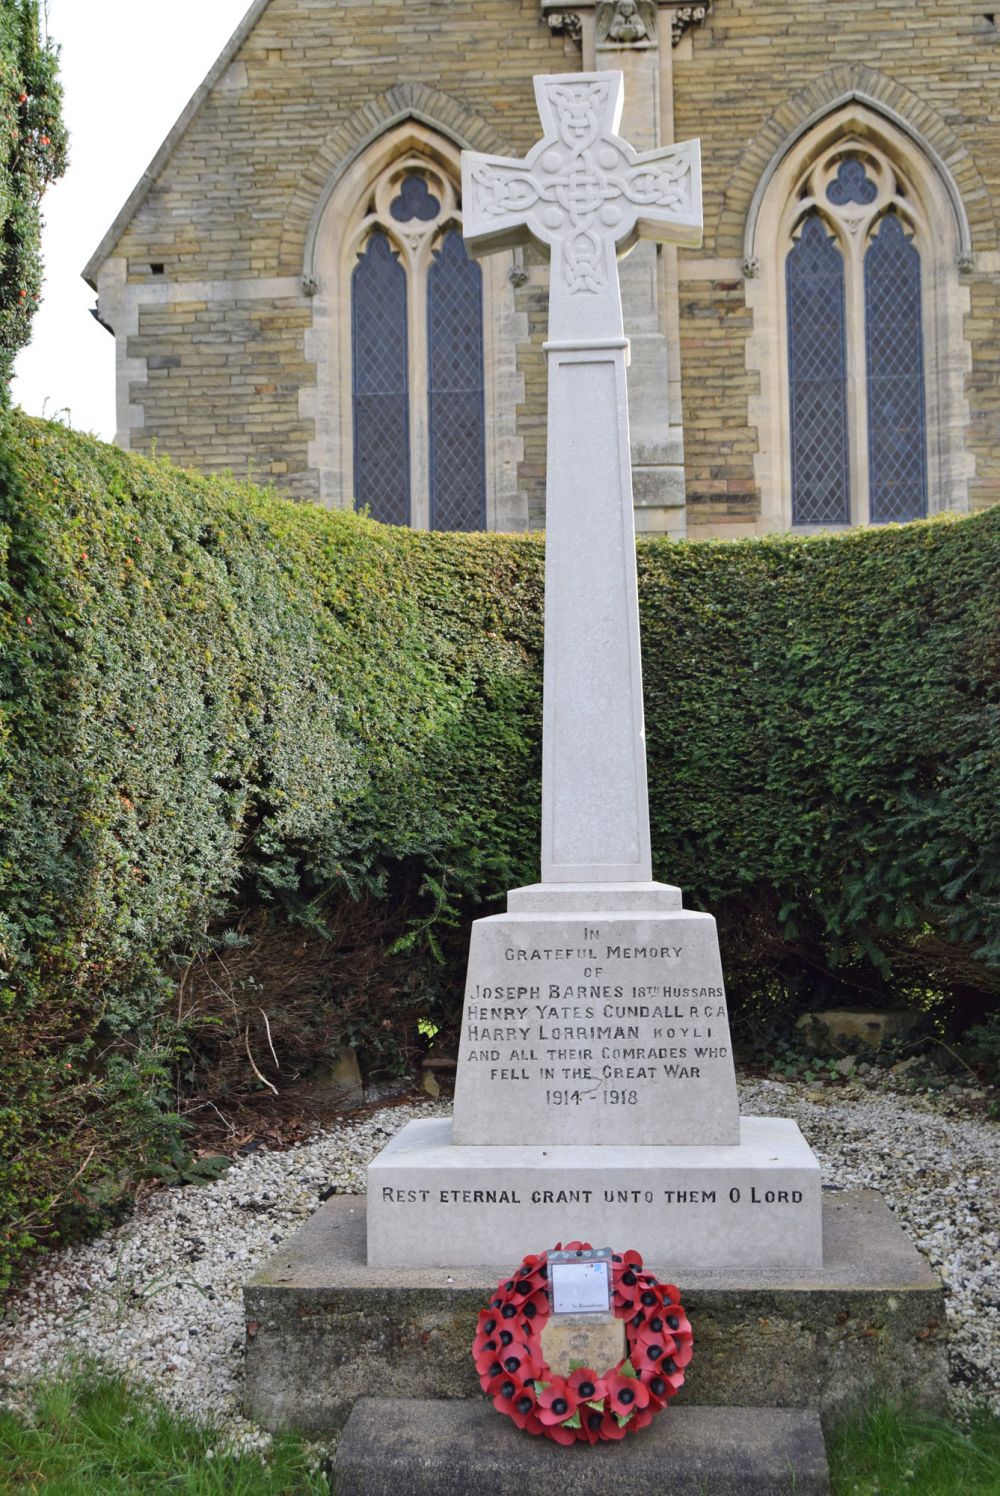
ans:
(585, 196)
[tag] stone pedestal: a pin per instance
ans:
(752, 1204)
(324, 1326)
(595, 1098)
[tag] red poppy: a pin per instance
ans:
(647, 1295)
(520, 1361)
(533, 1263)
(486, 1339)
(677, 1322)
(505, 1391)
(659, 1387)
(524, 1410)
(648, 1355)
(557, 1402)
(625, 1394)
(484, 1353)
(626, 1289)
(559, 1433)
(586, 1386)
(611, 1428)
(536, 1307)
(489, 1366)
(591, 1421)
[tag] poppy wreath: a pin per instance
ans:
(589, 1405)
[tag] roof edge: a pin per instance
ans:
(142, 188)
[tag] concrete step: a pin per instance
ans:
(324, 1328)
(392, 1445)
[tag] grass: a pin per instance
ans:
(95, 1436)
(885, 1452)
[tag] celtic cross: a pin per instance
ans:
(585, 196)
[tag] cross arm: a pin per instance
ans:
(498, 194)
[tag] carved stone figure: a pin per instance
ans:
(625, 23)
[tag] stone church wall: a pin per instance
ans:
(743, 82)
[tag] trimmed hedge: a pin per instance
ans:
(216, 700)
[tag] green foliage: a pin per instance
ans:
(92, 1433)
(823, 719)
(211, 698)
(890, 1452)
(216, 703)
(32, 154)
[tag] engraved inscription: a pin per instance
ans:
(587, 1041)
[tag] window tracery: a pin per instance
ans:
(857, 412)
(853, 281)
(417, 354)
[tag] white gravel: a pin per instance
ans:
(159, 1297)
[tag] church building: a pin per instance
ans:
(291, 297)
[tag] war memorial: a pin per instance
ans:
(595, 1095)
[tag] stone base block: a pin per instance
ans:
(755, 1204)
(601, 1028)
(468, 1449)
(324, 1328)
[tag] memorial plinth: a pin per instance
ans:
(595, 1093)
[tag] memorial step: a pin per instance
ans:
(467, 1449)
(325, 1328)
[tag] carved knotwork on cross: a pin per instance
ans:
(584, 194)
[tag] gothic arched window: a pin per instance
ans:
(857, 422)
(852, 251)
(419, 435)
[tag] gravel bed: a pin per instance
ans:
(938, 1167)
(159, 1297)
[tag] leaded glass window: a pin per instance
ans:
(455, 366)
(417, 331)
(897, 461)
(817, 379)
(855, 351)
(381, 396)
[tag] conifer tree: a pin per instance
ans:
(32, 154)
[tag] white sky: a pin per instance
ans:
(128, 68)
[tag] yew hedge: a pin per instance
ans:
(216, 701)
